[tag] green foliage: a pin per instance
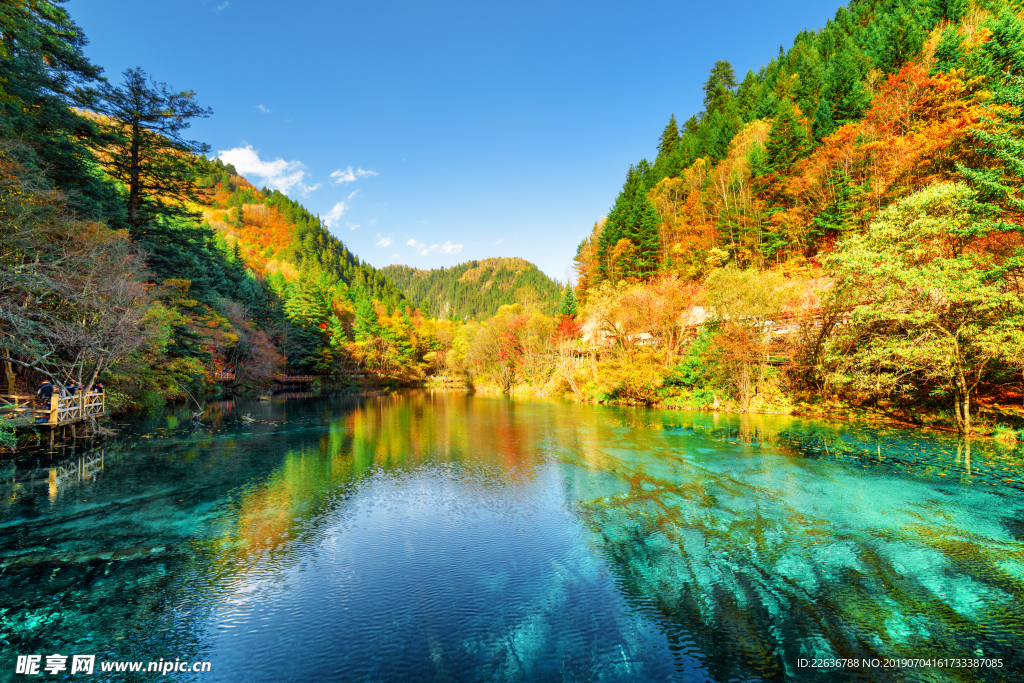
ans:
(8, 437)
(948, 53)
(669, 138)
(144, 147)
(929, 310)
(718, 89)
(787, 140)
(1001, 179)
(367, 326)
(690, 383)
(837, 217)
(568, 306)
(475, 289)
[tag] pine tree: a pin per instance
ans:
(823, 123)
(807, 64)
(897, 37)
(147, 152)
(837, 217)
(569, 306)
(844, 88)
(643, 233)
(617, 224)
(669, 138)
(366, 325)
(1001, 179)
(1005, 50)
(949, 52)
(787, 140)
(718, 89)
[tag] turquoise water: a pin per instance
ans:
(445, 537)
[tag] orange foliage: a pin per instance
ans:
(914, 131)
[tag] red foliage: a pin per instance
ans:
(568, 328)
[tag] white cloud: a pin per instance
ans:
(262, 109)
(353, 194)
(500, 241)
(384, 242)
(395, 256)
(277, 174)
(334, 215)
(423, 250)
(220, 7)
(340, 177)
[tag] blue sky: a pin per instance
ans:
(434, 133)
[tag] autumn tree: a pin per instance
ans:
(930, 310)
(72, 299)
(746, 305)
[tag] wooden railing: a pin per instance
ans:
(224, 376)
(62, 410)
(296, 379)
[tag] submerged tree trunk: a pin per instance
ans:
(962, 405)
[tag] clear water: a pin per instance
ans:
(444, 537)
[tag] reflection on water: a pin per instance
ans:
(439, 536)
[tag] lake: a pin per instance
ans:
(441, 536)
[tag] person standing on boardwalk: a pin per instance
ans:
(43, 393)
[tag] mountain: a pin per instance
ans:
(276, 235)
(475, 289)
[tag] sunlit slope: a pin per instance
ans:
(276, 234)
(476, 289)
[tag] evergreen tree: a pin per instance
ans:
(787, 140)
(643, 233)
(718, 89)
(949, 52)
(837, 217)
(366, 325)
(146, 151)
(844, 88)
(43, 73)
(568, 306)
(669, 138)
(1005, 49)
(898, 36)
(1001, 179)
(806, 63)
(823, 123)
(617, 225)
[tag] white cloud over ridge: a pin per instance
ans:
(334, 215)
(347, 175)
(423, 250)
(384, 242)
(278, 174)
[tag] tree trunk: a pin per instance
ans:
(134, 198)
(962, 405)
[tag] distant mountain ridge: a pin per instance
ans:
(475, 289)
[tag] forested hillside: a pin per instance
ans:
(277, 236)
(127, 257)
(476, 289)
(839, 230)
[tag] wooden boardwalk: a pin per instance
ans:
(227, 377)
(61, 411)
